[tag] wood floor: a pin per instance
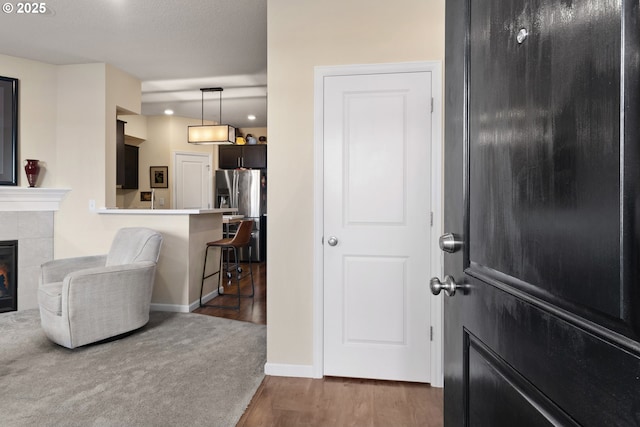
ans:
(334, 402)
(252, 310)
(331, 402)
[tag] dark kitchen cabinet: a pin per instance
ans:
(126, 160)
(119, 152)
(130, 167)
(229, 156)
(242, 156)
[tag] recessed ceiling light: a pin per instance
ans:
(251, 117)
(168, 112)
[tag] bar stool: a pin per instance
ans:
(241, 239)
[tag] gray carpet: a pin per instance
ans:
(179, 370)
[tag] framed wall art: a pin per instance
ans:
(159, 176)
(8, 131)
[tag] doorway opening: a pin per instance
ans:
(243, 189)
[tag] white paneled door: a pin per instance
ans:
(377, 205)
(193, 181)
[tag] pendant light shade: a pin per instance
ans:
(211, 134)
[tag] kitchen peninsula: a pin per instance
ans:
(186, 232)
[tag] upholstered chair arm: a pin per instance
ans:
(56, 270)
(122, 293)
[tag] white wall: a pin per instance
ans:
(302, 35)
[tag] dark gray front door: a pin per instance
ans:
(541, 180)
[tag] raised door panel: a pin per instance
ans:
(254, 156)
(192, 181)
(229, 156)
(545, 150)
(192, 173)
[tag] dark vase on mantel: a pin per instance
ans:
(32, 169)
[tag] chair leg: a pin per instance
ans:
(253, 291)
(233, 307)
(204, 271)
(238, 276)
(205, 276)
(239, 270)
(235, 254)
(220, 269)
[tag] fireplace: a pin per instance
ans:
(8, 275)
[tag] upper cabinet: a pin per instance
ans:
(130, 167)
(119, 152)
(242, 156)
(126, 160)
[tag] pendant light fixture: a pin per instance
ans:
(211, 134)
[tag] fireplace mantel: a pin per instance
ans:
(31, 199)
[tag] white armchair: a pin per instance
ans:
(88, 299)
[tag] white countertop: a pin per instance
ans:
(117, 211)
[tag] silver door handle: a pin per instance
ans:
(332, 241)
(449, 286)
(450, 243)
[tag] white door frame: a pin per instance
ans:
(435, 67)
(174, 187)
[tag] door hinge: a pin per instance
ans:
(432, 219)
(431, 332)
(431, 105)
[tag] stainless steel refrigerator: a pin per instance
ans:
(246, 189)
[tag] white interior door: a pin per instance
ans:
(193, 181)
(377, 205)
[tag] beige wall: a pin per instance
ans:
(303, 34)
(160, 137)
(81, 157)
(123, 94)
(135, 128)
(89, 97)
(63, 112)
(37, 98)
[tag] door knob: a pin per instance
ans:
(449, 286)
(450, 243)
(332, 241)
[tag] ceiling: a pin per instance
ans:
(173, 47)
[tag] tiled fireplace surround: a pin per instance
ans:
(26, 215)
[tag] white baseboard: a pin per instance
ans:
(181, 308)
(285, 370)
(174, 308)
